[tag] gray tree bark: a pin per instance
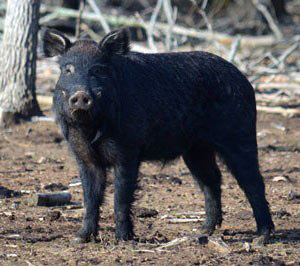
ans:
(18, 62)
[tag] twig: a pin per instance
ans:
(277, 62)
(288, 52)
(234, 48)
(171, 16)
(175, 242)
(204, 16)
(185, 220)
(100, 16)
(42, 119)
(152, 22)
(78, 20)
(204, 4)
(273, 26)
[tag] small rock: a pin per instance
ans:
(8, 193)
(203, 240)
(53, 215)
(247, 246)
(145, 213)
(11, 255)
(218, 244)
(29, 154)
(41, 160)
(280, 178)
(281, 213)
(293, 196)
(278, 126)
(176, 180)
(57, 139)
(56, 187)
(75, 182)
(16, 205)
(28, 131)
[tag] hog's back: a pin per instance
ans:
(171, 101)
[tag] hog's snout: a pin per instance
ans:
(80, 100)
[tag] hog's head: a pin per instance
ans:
(86, 77)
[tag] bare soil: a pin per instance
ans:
(34, 155)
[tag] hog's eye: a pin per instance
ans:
(68, 69)
(95, 71)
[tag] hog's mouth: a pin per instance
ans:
(81, 116)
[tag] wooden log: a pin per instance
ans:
(52, 199)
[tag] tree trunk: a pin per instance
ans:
(18, 62)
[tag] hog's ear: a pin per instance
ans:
(53, 42)
(115, 42)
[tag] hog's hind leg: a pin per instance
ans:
(241, 158)
(201, 162)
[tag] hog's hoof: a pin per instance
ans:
(207, 229)
(124, 236)
(262, 239)
(210, 225)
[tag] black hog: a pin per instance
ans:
(118, 108)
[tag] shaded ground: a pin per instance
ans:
(34, 155)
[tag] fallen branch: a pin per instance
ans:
(175, 242)
(294, 87)
(42, 119)
(185, 220)
(278, 110)
(225, 39)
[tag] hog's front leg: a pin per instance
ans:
(93, 182)
(125, 186)
(93, 178)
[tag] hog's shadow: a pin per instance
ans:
(285, 236)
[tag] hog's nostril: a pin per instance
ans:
(80, 101)
(86, 100)
(74, 100)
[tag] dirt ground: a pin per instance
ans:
(34, 155)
